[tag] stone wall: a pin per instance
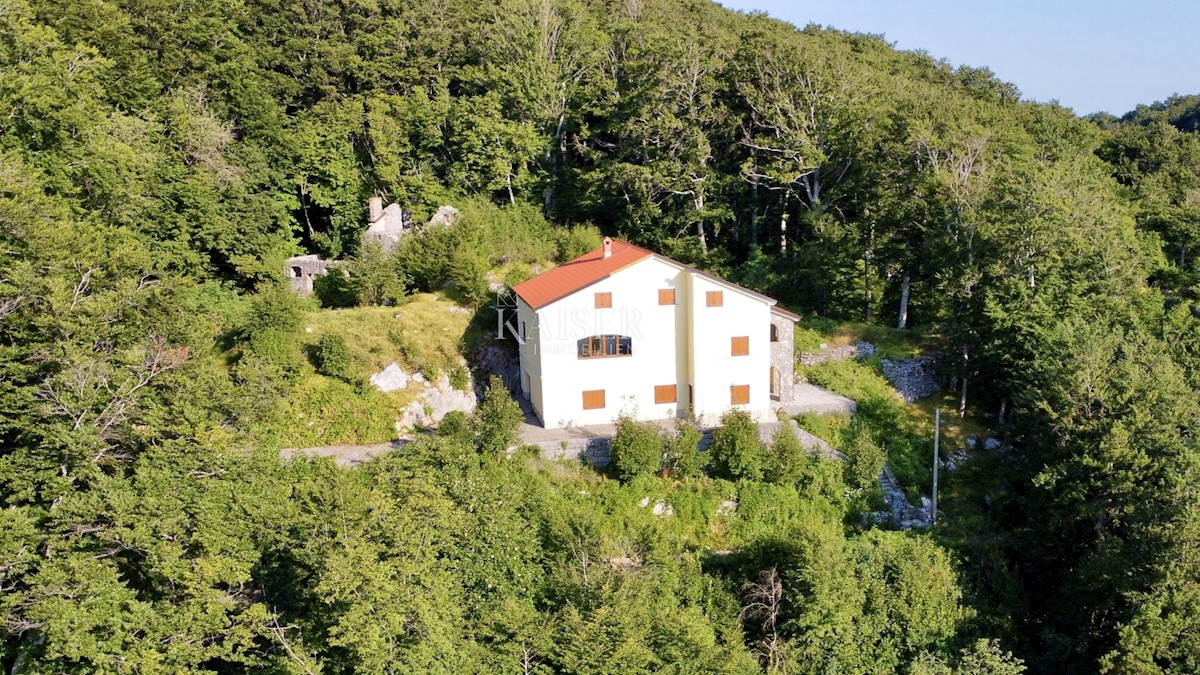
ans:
(783, 354)
(914, 379)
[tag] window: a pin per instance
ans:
(296, 272)
(599, 346)
(739, 394)
(593, 400)
(774, 333)
(522, 330)
(664, 393)
(666, 296)
(603, 300)
(739, 346)
(714, 298)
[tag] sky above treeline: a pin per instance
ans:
(1089, 56)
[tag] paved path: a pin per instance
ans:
(809, 398)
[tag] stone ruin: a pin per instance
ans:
(302, 269)
(386, 226)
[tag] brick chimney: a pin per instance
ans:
(608, 247)
(375, 206)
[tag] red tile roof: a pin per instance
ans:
(591, 267)
(583, 271)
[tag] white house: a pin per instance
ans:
(622, 329)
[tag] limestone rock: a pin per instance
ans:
(433, 404)
(391, 378)
(443, 217)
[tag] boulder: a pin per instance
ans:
(433, 404)
(391, 378)
(443, 217)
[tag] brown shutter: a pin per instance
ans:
(739, 346)
(603, 300)
(666, 296)
(739, 394)
(714, 298)
(664, 393)
(593, 400)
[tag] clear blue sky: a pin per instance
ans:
(1090, 56)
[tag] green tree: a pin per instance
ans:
(496, 419)
(637, 448)
(736, 451)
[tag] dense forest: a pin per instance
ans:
(159, 159)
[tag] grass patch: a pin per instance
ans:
(426, 334)
(903, 430)
(890, 343)
(421, 335)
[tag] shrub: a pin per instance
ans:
(787, 460)
(497, 418)
(684, 458)
(374, 276)
(637, 448)
(576, 241)
(459, 377)
(334, 358)
(271, 332)
(864, 458)
(455, 424)
(736, 451)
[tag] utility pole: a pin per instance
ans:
(937, 430)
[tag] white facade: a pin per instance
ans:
(688, 345)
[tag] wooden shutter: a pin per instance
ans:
(739, 394)
(666, 296)
(714, 298)
(664, 393)
(739, 346)
(603, 300)
(593, 400)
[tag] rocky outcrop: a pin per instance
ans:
(502, 363)
(433, 404)
(913, 379)
(443, 217)
(391, 378)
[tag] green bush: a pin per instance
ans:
(334, 358)
(637, 448)
(864, 458)
(787, 460)
(270, 332)
(497, 419)
(577, 240)
(374, 276)
(736, 451)
(684, 458)
(460, 379)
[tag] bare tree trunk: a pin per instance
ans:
(867, 271)
(962, 392)
(754, 213)
(783, 234)
(902, 323)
